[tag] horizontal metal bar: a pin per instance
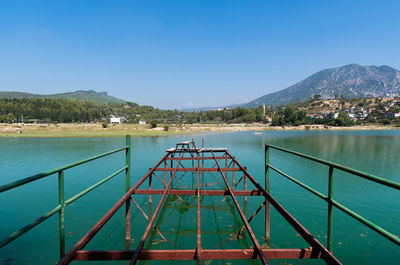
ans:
(368, 223)
(370, 177)
(195, 158)
(80, 194)
(202, 192)
(20, 182)
(28, 227)
(197, 150)
(190, 254)
(319, 194)
(193, 169)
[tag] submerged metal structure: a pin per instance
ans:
(186, 157)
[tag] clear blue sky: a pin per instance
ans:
(176, 54)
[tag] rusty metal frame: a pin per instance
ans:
(199, 155)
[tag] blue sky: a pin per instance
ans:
(177, 54)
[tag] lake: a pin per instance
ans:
(375, 152)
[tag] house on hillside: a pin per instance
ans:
(391, 115)
(117, 120)
(142, 122)
(352, 116)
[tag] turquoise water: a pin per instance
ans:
(375, 152)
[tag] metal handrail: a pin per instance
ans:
(329, 199)
(23, 181)
(370, 177)
(61, 202)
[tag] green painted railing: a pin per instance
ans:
(329, 198)
(61, 202)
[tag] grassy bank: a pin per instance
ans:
(136, 130)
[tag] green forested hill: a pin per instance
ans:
(81, 95)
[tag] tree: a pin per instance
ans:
(277, 121)
(300, 115)
(249, 117)
(10, 117)
(289, 113)
(317, 97)
(153, 123)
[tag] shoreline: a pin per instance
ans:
(136, 130)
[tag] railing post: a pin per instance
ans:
(150, 197)
(330, 216)
(127, 187)
(128, 163)
(233, 176)
(245, 189)
(61, 212)
(267, 189)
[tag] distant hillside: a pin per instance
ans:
(197, 109)
(81, 95)
(351, 81)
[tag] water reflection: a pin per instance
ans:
(220, 222)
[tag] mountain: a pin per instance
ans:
(351, 81)
(81, 95)
(198, 109)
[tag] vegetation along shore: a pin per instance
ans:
(136, 130)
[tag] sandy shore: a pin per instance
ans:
(96, 129)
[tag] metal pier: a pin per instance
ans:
(224, 162)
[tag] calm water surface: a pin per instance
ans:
(376, 152)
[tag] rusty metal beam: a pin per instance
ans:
(159, 178)
(197, 150)
(147, 218)
(202, 192)
(325, 254)
(242, 216)
(198, 249)
(193, 169)
(190, 254)
(251, 218)
(195, 158)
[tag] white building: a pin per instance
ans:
(117, 120)
(142, 122)
(333, 115)
(352, 116)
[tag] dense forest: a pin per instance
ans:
(66, 111)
